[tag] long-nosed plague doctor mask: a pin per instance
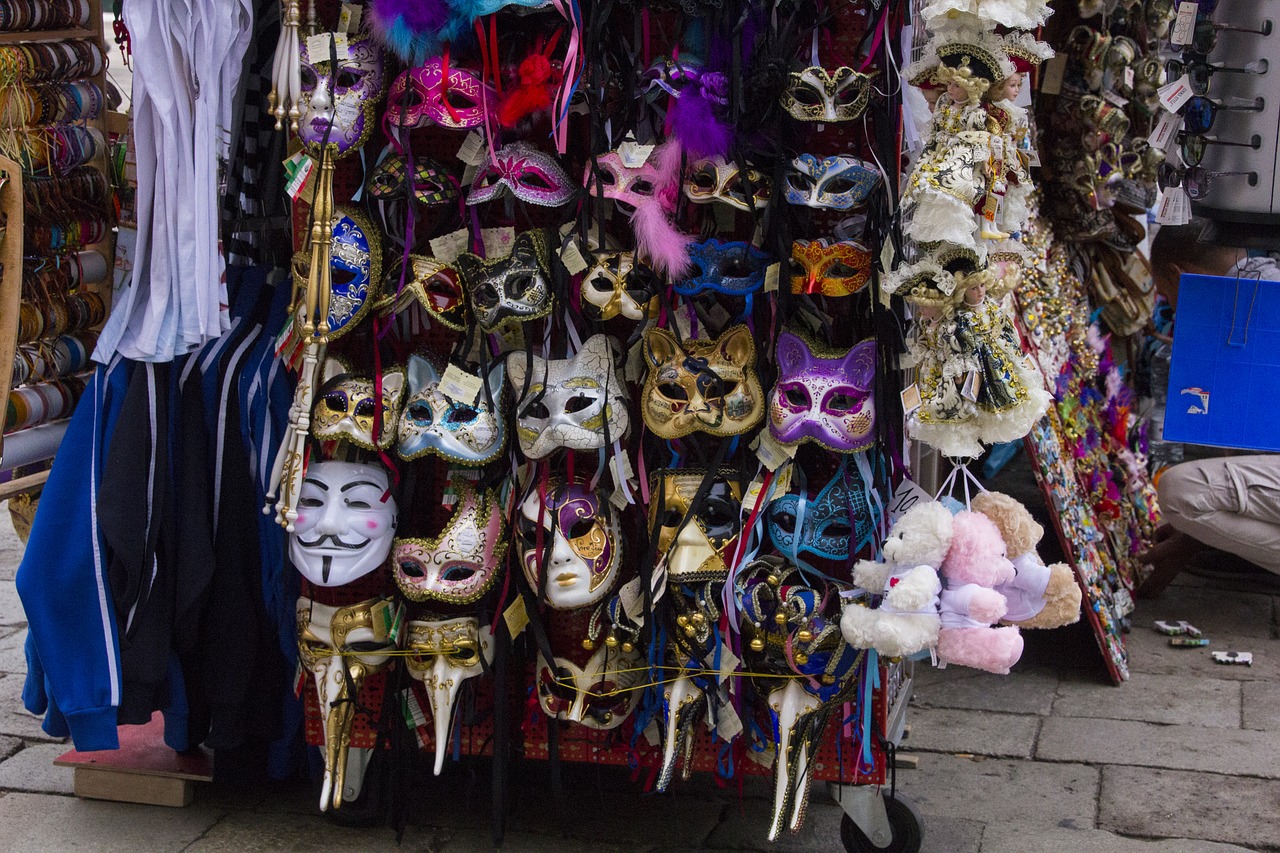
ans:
(444, 653)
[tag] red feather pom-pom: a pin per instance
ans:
(538, 80)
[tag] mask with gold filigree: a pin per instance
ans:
(443, 654)
(581, 543)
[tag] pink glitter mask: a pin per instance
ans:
(528, 174)
(460, 106)
(636, 187)
(462, 563)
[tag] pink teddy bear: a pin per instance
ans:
(974, 565)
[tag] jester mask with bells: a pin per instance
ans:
(443, 654)
(701, 385)
(341, 105)
(346, 521)
(581, 543)
(468, 433)
(340, 647)
(579, 402)
(698, 541)
(463, 562)
(599, 694)
(346, 407)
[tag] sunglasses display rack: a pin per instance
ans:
(53, 116)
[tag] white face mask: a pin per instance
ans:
(443, 654)
(792, 772)
(582, 534)
(570, 401)
(598, 695)
(327, 638)
(346, 521)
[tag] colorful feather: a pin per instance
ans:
(695, 124)
(659, 241)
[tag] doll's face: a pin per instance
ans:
(957, 93)
(975, 293)
(931, 95)
(1010, 88)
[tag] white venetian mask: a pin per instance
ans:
(442, 655)
(346, 521)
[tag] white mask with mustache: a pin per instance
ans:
(346, 521)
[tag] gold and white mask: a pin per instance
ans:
(346, 407)
(443, 654)
(599, 695)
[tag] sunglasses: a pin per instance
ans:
(1205, 36)
(1198, 71)
(1196, 180)
(1199, 113)
(1192, 146)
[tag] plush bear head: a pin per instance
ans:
(977, 553)
(920, 537)
(1020, 531)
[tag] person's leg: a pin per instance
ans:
(1232, 504)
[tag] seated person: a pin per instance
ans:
(1231, 503)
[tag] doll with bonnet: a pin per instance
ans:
(1005, 207)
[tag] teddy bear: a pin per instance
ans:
(974, 566)
(1040, 596)
(907, 620)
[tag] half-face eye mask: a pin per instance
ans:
(346, 521)
(517, 287)
(635, 187)
(349, 114)
(818, 95)
(346, 406)
(830, 526)
(443, 654)
(458, 105)
(618, 284)
(824, 397)
(837, 183)
(465, 433)
(340, 647)
(431, 182)
(599, 695)
(462, 563)
(434, 286)
(819, 267)
(734, 269)
(700, 385)
(528, 174)
(581, 537)
(579, 402)
(355, 270)
(698, 541)
(716, 179)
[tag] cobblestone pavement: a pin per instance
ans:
(1184, 758)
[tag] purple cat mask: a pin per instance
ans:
(825, 397)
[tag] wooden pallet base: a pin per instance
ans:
(143, 770)
(132, 787)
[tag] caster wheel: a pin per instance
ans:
(904, 821)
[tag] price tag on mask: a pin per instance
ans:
(472, 151)
(1174, 208)
(1184, 27)
(972, 384)
(571, 257)
(460, 386)
(911, 401)
(349, 18)
(907, 495)
(1051, 79)
(1165, 131)
(1128, 77)
(320, 50)
(1174, 95)
(497, 241)
(447, 247)
(771, 277)
(771, 453)
(1115, 98)
(633, 154)
(298, 170)
(516, 617)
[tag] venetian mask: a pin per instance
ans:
(355, 270)
(829, 269)
(340, 647)
(420, 96)
(346, 520)
(599, 695)
(831, 526)
(636, 186)
(818, 95)
(839, 182)
(618, 284)
(701, 385)
(824, 397)
(517, 287)
(734, 269)
(465, 432)
(716, 179)
(528, 174)
(346, 407)
(698, 541)
(582, 540)
(579, 402)
(432, 184)
(342, 105)
(791, 707)
(443, 654)
(462, 563)
(434, 286)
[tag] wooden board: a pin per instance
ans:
(122, 787)
(143, 752)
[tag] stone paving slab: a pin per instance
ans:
(39, 823)
(1186, 804)
(11, 546)
(32, 770)
(1015, 839)
(14, 719)
(1238, 614)
(8, 746)
(1228, 751)
(747, 829)
(951, 835)
(1176, 699)
(1150, 652)
(13, 657)
(1023, 691)
(1261, 706)
(997, 791)
(11, 612)
(976, 732)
